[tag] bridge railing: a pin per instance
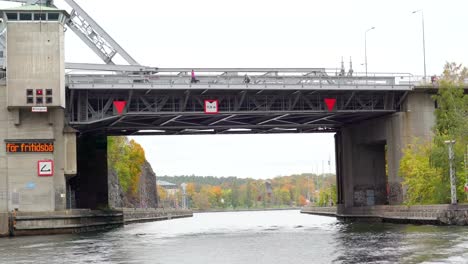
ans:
(170, 77)
(419, 80)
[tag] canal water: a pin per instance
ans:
(247, 237)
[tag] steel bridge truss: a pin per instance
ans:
(169, 112)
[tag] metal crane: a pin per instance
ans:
(94, 36)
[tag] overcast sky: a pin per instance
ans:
(269, 33)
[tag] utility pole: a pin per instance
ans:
(365, 47)
(184, 195)
(308, 188)
(453, 184)
(423, 40)
(466, 172)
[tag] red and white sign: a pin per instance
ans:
(466, 187)
(45, 168)
(211, 107)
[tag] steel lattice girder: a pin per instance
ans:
(260, 111)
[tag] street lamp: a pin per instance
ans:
(453, 184)
(424, 40)
(365, 47)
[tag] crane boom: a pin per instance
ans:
(89, 31)
(86, 28)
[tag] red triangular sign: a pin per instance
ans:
(120, 106)
(330, 102)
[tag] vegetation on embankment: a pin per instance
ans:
(425, 165)
(133, 175)
(232, 193)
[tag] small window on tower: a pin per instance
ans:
(29, 92)
(39, 16)
(12, 16)
(25, 16)
(30, 100)
(53, 16)
(48, 92)
(48, 100)
(39, 92)
(39, 100)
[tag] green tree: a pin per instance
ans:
(425, 184)
(235, 195)
(425, 165)
(248, 201)
(201, 201)
(226, 196)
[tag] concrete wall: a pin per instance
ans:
(21, 187)
(419, 214)
(361, 153)
(35, 60)
(4, 227)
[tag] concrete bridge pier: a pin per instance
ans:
(368, 154)
(89, 188)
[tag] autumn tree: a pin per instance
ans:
(201, 201)
(126, 158)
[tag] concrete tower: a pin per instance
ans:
(37, 150)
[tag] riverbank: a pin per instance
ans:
(418, 214)
(244, 210)
(138, 215)
(80, 220)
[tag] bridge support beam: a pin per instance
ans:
(368, 154)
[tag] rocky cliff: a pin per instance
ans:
(145, 196)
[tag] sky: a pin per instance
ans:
(270, 33)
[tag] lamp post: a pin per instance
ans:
(453, 185)
(365, 47)
(424, 40)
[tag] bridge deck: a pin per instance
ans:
(171, 101)
(248, 79)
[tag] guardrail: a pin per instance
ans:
(248, 77)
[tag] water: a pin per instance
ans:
(247, 237)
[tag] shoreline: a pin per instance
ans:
(245, 210)
(437, 214)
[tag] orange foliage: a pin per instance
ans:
(302, 200)
(190, 189)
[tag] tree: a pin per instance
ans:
(226, 196)
(285, 195)
(201, 201)
(424, 182)
(248, 195)
(126, 158)
(162, 194)
(424, 165)
(235, 195)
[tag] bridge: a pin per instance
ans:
(250, 101)
(53, 126)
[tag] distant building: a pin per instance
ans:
(169, 187)
(172, 190)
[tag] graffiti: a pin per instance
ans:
(359, 198)
(395, 193)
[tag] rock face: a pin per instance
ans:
(146, 196)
